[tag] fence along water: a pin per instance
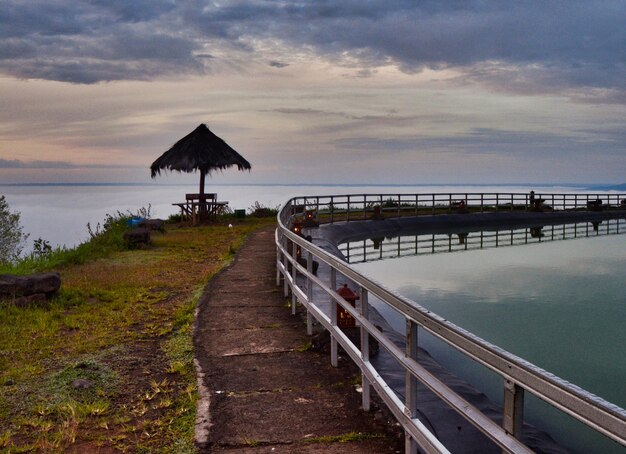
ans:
(295, 264)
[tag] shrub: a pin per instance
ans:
(12, 237)
(260, 211)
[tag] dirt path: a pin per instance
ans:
(264, 390)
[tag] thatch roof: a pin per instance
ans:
(199, 150)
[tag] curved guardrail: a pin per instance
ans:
(295, 267)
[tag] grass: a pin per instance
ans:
(122, 323)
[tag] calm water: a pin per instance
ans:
(559, 304)
(60, 214)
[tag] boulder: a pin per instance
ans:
(137, 237)
(46, 284)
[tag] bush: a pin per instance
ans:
(104, 239)
(12, 237)
(260, 211)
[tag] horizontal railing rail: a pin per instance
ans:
(297, 258)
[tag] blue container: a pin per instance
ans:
(134, 222)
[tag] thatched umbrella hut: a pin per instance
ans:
(199, 150)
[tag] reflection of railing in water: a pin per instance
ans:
(381, 248)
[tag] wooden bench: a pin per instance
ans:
(200, 206)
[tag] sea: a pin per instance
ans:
(59, 213)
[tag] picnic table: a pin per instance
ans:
(198, 207)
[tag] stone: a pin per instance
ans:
(82, 383)
(12, 286)
(137, 237)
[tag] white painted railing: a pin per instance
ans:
(295, 268)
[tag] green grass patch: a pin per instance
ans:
(115, 307)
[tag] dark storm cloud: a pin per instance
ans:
(529, 47)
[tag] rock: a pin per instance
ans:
(13, 287)
(82, 383)
(137, 237)
(30, 300)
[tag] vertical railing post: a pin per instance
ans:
(332, 209)
(286, 266)
(410, 383)
(482, 202)
(365, 350)
(294, 274)
(399, 204)
(279, 258)
(309, 292)
(513, 418)
(433, 206)
(333, 319)
(348, 209)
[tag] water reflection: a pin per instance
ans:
(559, 304)
(381, 248)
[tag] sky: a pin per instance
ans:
(355, 91)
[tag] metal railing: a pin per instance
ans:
(335, 208)
(297, 258)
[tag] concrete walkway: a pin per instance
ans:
(263, 389)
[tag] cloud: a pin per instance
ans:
(485, 141)
(278, 64)
(19, 164)
(526, 47)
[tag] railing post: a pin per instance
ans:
(286, 266)
(399, 204)
(513, 418)
(410, 383)
(333, 320)
(348, 210)
(294, 274)
(365, 351)
(309, 292)
(279, 257)
(332, 209)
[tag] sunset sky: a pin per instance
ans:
(355, 91)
